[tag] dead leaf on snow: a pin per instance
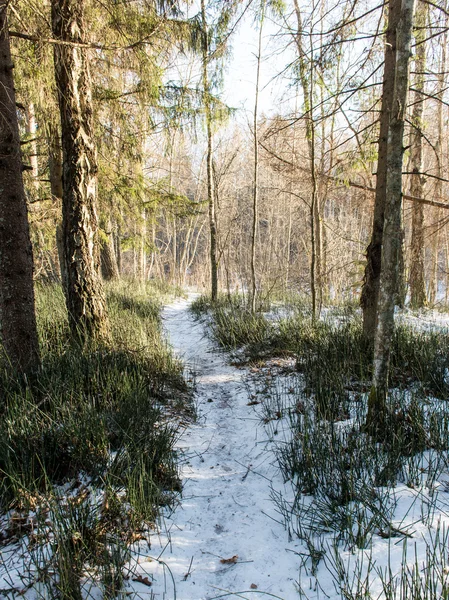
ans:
(143, 580)
(229, 561)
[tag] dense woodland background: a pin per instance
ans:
(148, 129)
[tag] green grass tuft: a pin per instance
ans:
(100, 415)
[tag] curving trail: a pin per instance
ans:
(228, 470)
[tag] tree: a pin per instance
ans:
(441, 87)
(84, 294)
(370, 290)
(306, 69)
(17, 314)
(396, 75)
(256, 166)
(209, 156)
(417, 281)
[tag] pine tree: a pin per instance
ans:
(17, 313)
(84, 294)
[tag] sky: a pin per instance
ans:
(240, 77)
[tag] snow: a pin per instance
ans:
(228, 472)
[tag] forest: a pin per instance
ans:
(224, 297)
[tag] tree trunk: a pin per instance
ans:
(209, 167)
(143, 247)
(84, 294)
(417, 281)
(55, 170)
(31, 129)
(109, 268)
(55, 164)
(392, 236)
(435, 232)
(256, 170)
(118, 248)
(370, 290)
(315, 225)
(17, 314)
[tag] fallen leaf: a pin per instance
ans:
(229, 561)
(143, 580)
(135, 537)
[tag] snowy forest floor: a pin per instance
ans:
(240, 531)
(282, 494)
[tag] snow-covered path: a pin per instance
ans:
(228, 470)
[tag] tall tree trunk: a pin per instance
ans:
(392, 236)
(417, 281)
(174, 267)
(315, 232)
(370, 290)
(84, 294)
(433, 279)
(17, 314)
(209, 158)
(256, 170)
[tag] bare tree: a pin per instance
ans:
(436, 229)
(256, 167)
(209, 157)
(417, 281)
(392, 235)
(370, 290)
(305, 70)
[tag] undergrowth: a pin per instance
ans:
(87, 442)
(348, 490)
(333, 354)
